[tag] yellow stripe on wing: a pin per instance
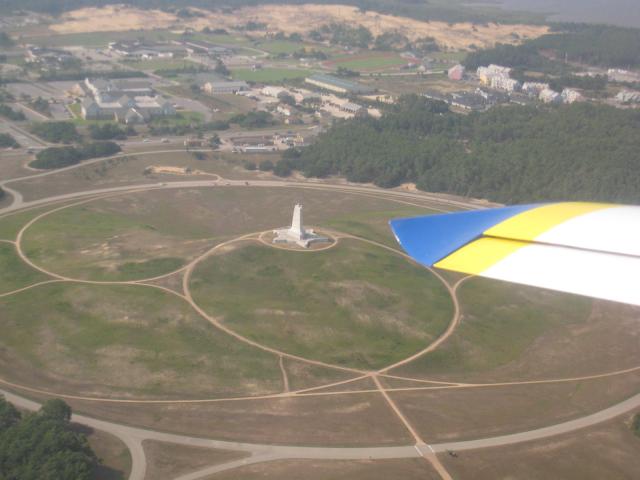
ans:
(479, 255)
(527, 226)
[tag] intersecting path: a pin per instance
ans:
(133, 437)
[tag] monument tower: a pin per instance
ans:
(296, 233)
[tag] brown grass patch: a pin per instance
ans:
(298, 18)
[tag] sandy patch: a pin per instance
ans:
(297, 18)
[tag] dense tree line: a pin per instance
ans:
(509, 154)
(56, 132)
(600, 45)
(109, 131)
(7, 141)
(58, 157)
(252, 119)
(42, 445)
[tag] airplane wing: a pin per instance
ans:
(590, 249)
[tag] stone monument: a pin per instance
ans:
(296, 233)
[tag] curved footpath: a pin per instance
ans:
(133, 437)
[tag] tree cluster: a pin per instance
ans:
(9, 113)
(40, 105)
(600, 45)
(7, 141)
(59, 157)
(252, 119)
(107, 131)
(56, 132)
(343, 34)
(42, 445)
(509, 154)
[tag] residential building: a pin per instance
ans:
(500, 82)
(123, 101)
(570, 95)
(534, 88)
(550, 96)
(456, 72)
(354, 108)
(619, 75)
(275, 92)
(628, 96)
(485, 74)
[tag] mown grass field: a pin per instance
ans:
(14, 273)
(355, 304)
(100, 39)
(268, 74)
(142, 235)
(375, 225)
(124, 340)
(500, 323)
(368, 61)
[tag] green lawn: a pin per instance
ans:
(221, 39)
(142, 235)
(280, 46)
(100, 39)
(14, 273)
(375, 225)
(369, 62)
(11, 224)
(355, 304)
(125, 340)
(501, 320)
(268, 74)
(105, 245)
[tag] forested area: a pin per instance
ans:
(510, 154)
(599, 45)
(42, 445)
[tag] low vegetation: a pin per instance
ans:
(510, 154)
(58, 157)
(635, 426)
(42, 445)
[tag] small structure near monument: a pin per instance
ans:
(297, 233)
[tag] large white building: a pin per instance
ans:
(217, 88)
(534, 88)
(549, 96)
(569, 95)
(123, 101)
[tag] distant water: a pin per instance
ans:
(616, 12)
